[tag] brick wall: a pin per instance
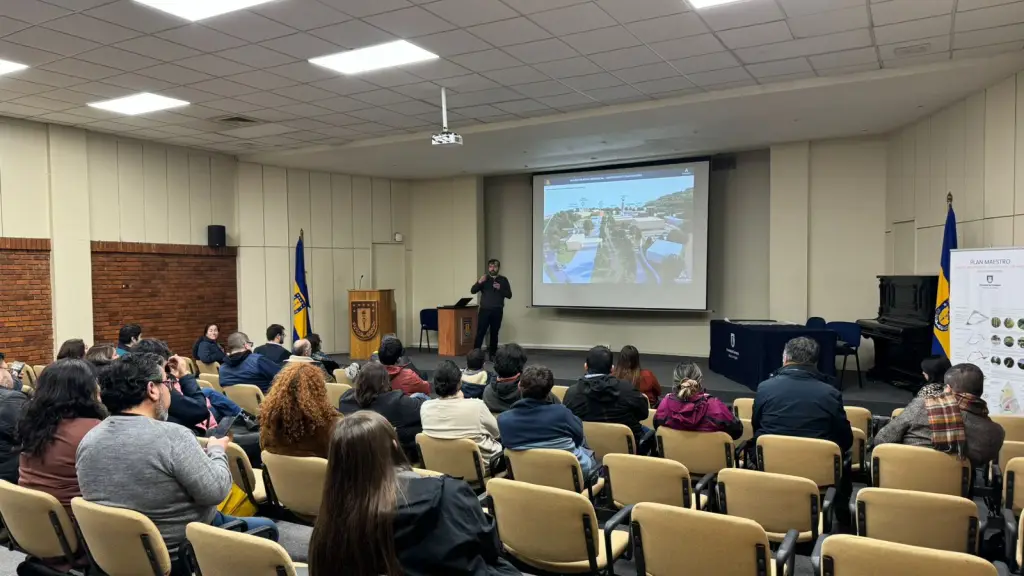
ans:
(26, 318)
(172, 290)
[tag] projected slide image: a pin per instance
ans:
(619, 229)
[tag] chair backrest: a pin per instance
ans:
(204, 368)
(897, 411)
(214, 380)
(204, 383)
(846, 555)
(335, 392)
(816, 322)
(38, 370)
(121, 542)
(743, 408)
(298, 482)
(428, 319)
(28, 375)
(459, 458)
(1013, 484)
(542, 523)
(635, 479)
(674, 541)
(859, 418)
(552, 468)
(559, 392)
(701, 452)
(342, 377)
(860, 443)
(748, 431)
(775, 501)
(649, 421)
(192, 368)
(242, 473)
(820, 461)
(227, 553)
(248, 396)
(428, 473)
(1009, 451)
(606, 438)
(919, 468)
(935, 521)
(1013, 425)
(848, 332)
(37, 522)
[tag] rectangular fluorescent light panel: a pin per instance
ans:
(6, 67)
(376, 57)
(698, 4)
(200, 9)
(139, 104)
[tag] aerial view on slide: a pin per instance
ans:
(619, 228)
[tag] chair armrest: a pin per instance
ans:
(826, 507)
(1010, 537)
(618, 519)
(853, 506)
(785, 556)
(816, 553)
(260, 530)
(486, 503)
(705, 482)
(235, 526)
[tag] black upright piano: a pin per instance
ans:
(902, 333)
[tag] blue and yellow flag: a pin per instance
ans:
(300, 295)
(940, 325)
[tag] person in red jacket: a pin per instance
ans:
(628, 368)
(402, 377)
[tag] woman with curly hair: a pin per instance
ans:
(296, 418)
(66, 405)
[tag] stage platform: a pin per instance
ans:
(567, 366)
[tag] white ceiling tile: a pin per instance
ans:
(20, 111)
(566, 100)
(739, 14)
(918, 60)
(467, 83)
(481, 111)
(339, 131)
(304, 110)
(785, 78)
(40, 76)
(135, 16)
(344, 85)
(117, 58)
(986, 51)
(780, 67)
(723, 76)
(471, 12)
(379, 97)
(10, 25)
(616, 94)
(304, 93)
(531, 6)
(592, 81)
(64, 118)
(363, 8)
(988, 37)
(303, 72)
(65, 95)
(686, 47)
(174, 74)
(521, 106)
(25, 54)
(77, 4)
(214, 65)
(706, 62)
(232, 105)
(664, 85)
(91, 28)
(271, 115)
(578, 66)
(492, 96)
(339, 119)
(306, 124)
(805, 47)
(450, 43)
(201, 38)
(353, 34)
(571, 19)
(51, 41)
(414, 107)
(256, 56)
(829, 22)
(301, 15)
(31, 11)
(756, 35)
(370, 128)
(302, 46)
(796, 8)
(410, 22)
(223, 87)
(390, 77)
(632, 10)
(990, 17)
(648, 72)
(625, 58)
(10, 84)
(38, 101)
(486, 60)
(342, 104)
(731, 85)
(922, 47)
(94, 88)
(157, 48)
(434, 69)
(542, 51)
(82, 69)
(188, 94)
(508, 32)
(602, 40)
(248, 26)
(902, 10)
(668, 27)
(912, 30)
(137, 82)
(262, 80)
(965, 5)
(375, 115)
(844, 59)
(539, 89)
(516, 75)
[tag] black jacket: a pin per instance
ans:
(500, 396)
(800, 401)
(440, 530)
(207, 350)
(491, 297)
(11, 403)
(403, 412)
(273, 352)
(605, 398)
(188, 408)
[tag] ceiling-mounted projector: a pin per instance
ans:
(446, 137)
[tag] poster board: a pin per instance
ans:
(986, 325)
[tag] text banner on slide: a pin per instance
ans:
(622, 238)
(986, 322)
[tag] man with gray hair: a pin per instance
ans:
(244, 366)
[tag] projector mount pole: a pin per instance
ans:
(444, 110)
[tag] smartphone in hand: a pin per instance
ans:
(223, 427)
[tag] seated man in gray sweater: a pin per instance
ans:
(137, 460)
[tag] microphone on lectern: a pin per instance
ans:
(361, 281)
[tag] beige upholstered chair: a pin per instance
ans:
(554, 530)
(897, 411)
(221, 552)
(248, 396)
(213, 380)
(936, 521)
(859, 418)
(205, 368)
(846, 555)
(38, 369)
(777, 502)
(341, 377)
(37, 524)
(701, 452)
(29, 375)
(428, 473)
(335, 392)
(457, 458)
(919, 468)
(554, 468)
(559, 392)
(743, 408)
(121, 542)
(649, 421)
(249, 479)
(297, 483)
(859, 451)
(820, 461)
(1013, 425)
(634, 479)
(192, 368)
(605, 438)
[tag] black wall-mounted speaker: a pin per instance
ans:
(216, 236)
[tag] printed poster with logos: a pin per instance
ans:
(986, 298)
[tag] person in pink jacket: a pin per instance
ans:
(688, 407)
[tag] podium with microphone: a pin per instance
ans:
(371, 316)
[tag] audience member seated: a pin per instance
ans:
(402, 377)
(372, 391)
(101, 354)
(189, 406)
(16, 383)
(135, 459)
(474, 378)
(379, 517)
(244, 366)
(318, 354)
(452, 416)
(934, 370)
(504, 391)
(955, 421)
(64, 407)
(689, 407)
(536, 422)
(296, 418)
(12, 401)
(72, 349)
(628, 368)
(302, 353)
(206, 349)
(127, 337)
(600, 397)
(274, 350)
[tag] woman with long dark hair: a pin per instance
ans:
(74, 348)
(65, 406)
(372, 391)
(628, 368)
(206, 349)
(378, 517)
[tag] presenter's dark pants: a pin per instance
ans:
(488, 319)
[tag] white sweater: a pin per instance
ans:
(453, 418)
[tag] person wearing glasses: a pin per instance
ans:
(245, 366)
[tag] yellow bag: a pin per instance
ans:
(237, 504)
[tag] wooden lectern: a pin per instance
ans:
(456, 329)
(371, 316)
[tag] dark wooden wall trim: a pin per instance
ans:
(33, 244)
(176, 249)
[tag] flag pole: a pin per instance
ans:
(949, 199)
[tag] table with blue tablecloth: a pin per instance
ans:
(748, 351)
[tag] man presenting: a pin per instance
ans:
(494, 289)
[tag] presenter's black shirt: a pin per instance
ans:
(491, 297)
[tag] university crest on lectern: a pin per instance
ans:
(364, 319)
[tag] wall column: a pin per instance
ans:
(788, 232)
